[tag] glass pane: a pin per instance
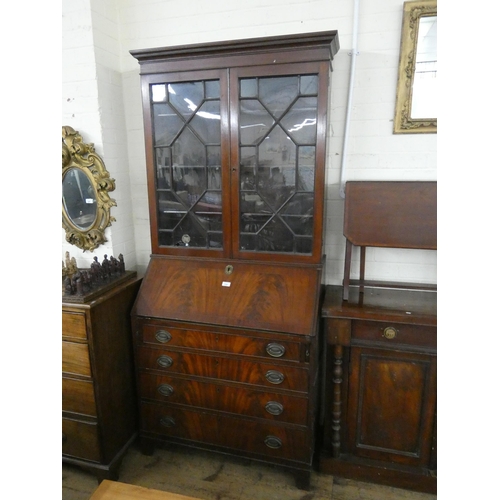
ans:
(212, 89)
(191, 232)
(309, 84)
(277, 163)
(307, 158)
(186, 97)
(158, 93)
(255, 122)
(300, 121)
(166, 123)
(278, 93)
(163, 169)
(206, 123)
(248, 87)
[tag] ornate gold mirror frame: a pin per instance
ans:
(86, 183)
(413, 13)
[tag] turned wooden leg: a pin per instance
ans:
(338, 353)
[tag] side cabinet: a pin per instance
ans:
(379, 397)
(99, 416)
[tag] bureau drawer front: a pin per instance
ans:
(163, 334)
(272, 440)
(78, 396)
(74, 325)
(80, 439)
(230, 399)
(75, 358)
(249, 372)
(395, 333)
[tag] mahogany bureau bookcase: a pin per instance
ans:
(99, 415)
(226, 320)
(379, 398)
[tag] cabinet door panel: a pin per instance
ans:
(392, 398)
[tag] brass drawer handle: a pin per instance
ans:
(273, 442)
(275, 350)
(165, 361)
(167, 421)
(389, 332)
(165, 390)
(275, 377)
(274, 408)
(163, 336)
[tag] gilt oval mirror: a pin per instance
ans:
(85, 186)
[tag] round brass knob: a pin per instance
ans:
(389, 332)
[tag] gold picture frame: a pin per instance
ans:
(86, 184)
(413, 13)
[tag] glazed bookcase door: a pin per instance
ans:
(277, 158)
(187, 162)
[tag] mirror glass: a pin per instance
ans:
(416, 97)
(424, 95)
(79, 198)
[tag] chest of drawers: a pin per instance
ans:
(99, 417)
(239, 391)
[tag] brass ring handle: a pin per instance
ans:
(273, 442)
(165, 361)
(163, 336)
(275, 377)
(274, 408)
(167, 421)
(275, 350)
(165, 390)
(390, 332)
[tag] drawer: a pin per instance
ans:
(80, 439)
(230, 399)
(78, 396)
(248, 372)
(74, 325)
(75, 358)
(252, 436)
(394, 333)
(163, 334)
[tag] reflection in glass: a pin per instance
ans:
(278, 118)
(424, 98)
(187, 141)
(79, 198)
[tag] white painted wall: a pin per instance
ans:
(102, 100)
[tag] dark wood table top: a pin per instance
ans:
(403, 306)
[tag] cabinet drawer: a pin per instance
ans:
(165, 334)
(80, 439)
(78, 396)
(272, 440)
(75, 358)
(395, 333)
(249, 372)
(74, 325)
(230, 399)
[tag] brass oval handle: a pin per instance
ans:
(165, 390)
(163, 336)
(275, 350)
(167, 421)
(390, 332)
(165, 361)
(275, 377)
(274, 408)
(273, 442)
